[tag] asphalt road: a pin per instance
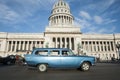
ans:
(102, 71)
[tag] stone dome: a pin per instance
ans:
(60, 14)
(61, 7)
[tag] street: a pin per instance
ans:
(102, 71)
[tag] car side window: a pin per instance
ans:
(42, 52)
(65, 53)
(54, 53)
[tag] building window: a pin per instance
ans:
(42, 42)
(64, 4)
(54, 42)
(61, 10)
(9, 45)
(72, 39)
(68, 42)
(58, 40)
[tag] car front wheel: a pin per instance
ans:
(85, 66)
(42, 67)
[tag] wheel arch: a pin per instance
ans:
(84, 62)
(41, 63)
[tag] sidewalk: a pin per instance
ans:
(115, 62)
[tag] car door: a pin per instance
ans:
(54, 59)
(68, 61)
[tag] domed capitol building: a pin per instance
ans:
(61, 33)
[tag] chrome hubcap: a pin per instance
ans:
(85, 66)
(42, 67)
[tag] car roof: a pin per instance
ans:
(51, 49)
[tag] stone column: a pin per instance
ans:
(27, 45)
(60, 42)
(88, 46)
(75, 45)
(65, 42)
(83, 45)
(56, 20)
(40, 45)
(53, 20)
(103, 46)
(96, 45)
(70, 20)
(11, 46)
(7, 46)
(92, 46)
(35, 45)
(100, 46)
(23, 46)
(114, 47)
(19, 47)
(110, 46)
(31, 45)
(15, 47)
(63, 19)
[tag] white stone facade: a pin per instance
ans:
(61, 33)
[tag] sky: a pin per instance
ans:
(31, 16)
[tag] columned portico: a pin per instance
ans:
(13, 46)
(63, 42)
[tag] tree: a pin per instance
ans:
(79, 47)
(47, 45)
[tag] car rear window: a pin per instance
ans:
(41, 52)
(54, 53)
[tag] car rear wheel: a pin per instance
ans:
(42, 67)
(8, 62)
(85, 66)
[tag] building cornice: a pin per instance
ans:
(62, 33)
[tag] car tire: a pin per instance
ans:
(42, 67)
(8, 62)
(85, 66)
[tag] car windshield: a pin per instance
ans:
(70, 52)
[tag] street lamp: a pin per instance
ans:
(118, 48)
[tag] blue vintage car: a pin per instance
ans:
(44, 58)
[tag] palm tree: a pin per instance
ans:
(79, 47)
(47, 45)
